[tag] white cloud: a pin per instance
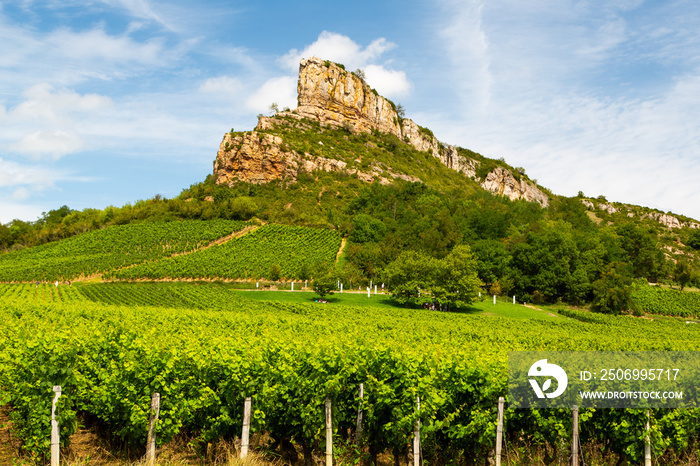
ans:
(281, 90)
(467, 50)
(555, 87)
(49, 145)
(138, 8)
(20, 194)
(222, 85)
(13, 174)
(97, 45)
(11, 209)
(43, 103)
(340, 49)
(388, 83)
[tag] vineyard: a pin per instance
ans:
(289, 249)
(111, 248)
(658, 300)
(205, 347)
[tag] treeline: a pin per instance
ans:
(65, 222)
(539, 255)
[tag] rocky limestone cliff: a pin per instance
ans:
(260, 158)
(501, 181)
(667, 220)
(333, 96)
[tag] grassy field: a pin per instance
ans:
(484, 308)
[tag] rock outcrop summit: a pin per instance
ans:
(329, 94)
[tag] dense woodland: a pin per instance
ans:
(562, 252)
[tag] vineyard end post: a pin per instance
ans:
(245, 434)
(499, 427)
(358, 429)
(153, 419)
(416, 436)
(329, 434)
(647, 443)
(55, 435)
(574, 439)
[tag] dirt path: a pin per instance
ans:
(343, 241)
(539, 309)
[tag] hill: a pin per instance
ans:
(347, 160)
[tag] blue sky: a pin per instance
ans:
(104, 102)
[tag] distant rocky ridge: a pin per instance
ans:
(667, 220)
(335, 97)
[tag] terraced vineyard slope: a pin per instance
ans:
(111, 248)
(272, 251)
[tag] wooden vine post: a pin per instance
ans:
(574, 439)
(499, 429)
(153, 419)
(647, 444)
(358, 428)
(245, 435)
(416, 435)
(55, 436)
(329, 434)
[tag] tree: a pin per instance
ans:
(543, 260)
(361, 74)
(5, 236)
(366, 229)
(400, 111)
(456, 282)
(694, 240)
(410, 273)
(274, 107)
(492, 260)
(304, 271)
(275, 272)
(682, 273)
(325, 285)
(640, 245)
(612, 292)
(242, 208)
(415, 277)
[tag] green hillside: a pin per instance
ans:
(271, 252)
(581, 250)
(111, 248)
(572, 250)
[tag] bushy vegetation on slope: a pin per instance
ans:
(539, 255)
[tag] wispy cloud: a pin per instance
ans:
(51, 145)
(338, 48)
(280, 90)
(467, 51)
(13, 175)
(564, 101)
(342, 49)
(96, 45)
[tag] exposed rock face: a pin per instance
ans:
(424, 140)
(502, 181)
(332, 96)
(254, 158)
(667, 220)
